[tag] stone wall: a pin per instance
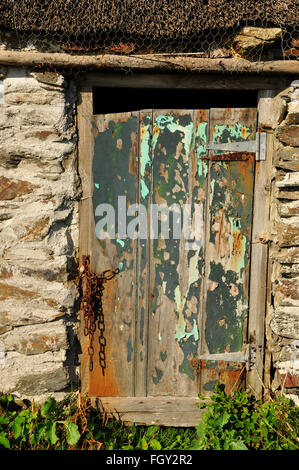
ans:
(39, 192)
(282, 327)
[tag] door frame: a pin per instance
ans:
(267, 88)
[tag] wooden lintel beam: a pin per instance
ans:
(150, 62)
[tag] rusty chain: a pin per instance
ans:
(92, 307)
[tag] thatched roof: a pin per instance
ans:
(147, 18)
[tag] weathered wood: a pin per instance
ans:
(165, 411)
(178, 419)
(259, 250)
(228, 235)
(115, 175)
(148, 62)
(182, 81)
(85, 149)
(147, 404)
(143, 252)
(175, 279)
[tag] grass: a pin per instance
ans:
(230, 422)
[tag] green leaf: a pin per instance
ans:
(238, 445)
(195, 445)
(142, 444)
(6, 398)
(128, 447)
(222, 420)
(50, 432)
(17, 426)
(151, 431)
(155, 445)
(49, 407)
(4, 420)
(40, 433)
(4, 441)
(72, 434)
(201, 430)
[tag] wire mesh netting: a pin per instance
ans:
(212, 28)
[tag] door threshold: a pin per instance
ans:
(150, 411)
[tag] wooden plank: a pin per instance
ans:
(259, 250)
(147, 62)
(167, 411)
(179, 81)
(143, 254)
(179, 419)
(175, 276)
(147, 404)
(227, 248)
(155, 404)
(115, 176)
(85, 150)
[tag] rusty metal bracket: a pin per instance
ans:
(241, 149)
(236, 156)
(247, 356)
(250, 356)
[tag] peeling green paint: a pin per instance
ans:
(159, 375)
(236, 132)
(121, 242)
(173, 125)
(144, 189)
(210, 386)
(163, 356)
(201, 148)
(129, 349)
(231, 193)
(181, 332)
(169, 145)
(212, 183)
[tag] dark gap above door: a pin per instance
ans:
(108, 100)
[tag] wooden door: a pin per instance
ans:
(178, 219)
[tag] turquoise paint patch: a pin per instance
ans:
(96, 185)
(231, 133)
(144, 189)
(168, 121)
(121, 242)
(202, 136)
(181, 332)
(145, 159)
(120, 266)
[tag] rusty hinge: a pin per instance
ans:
(247, 356)
(236, 156)
(240, 150)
